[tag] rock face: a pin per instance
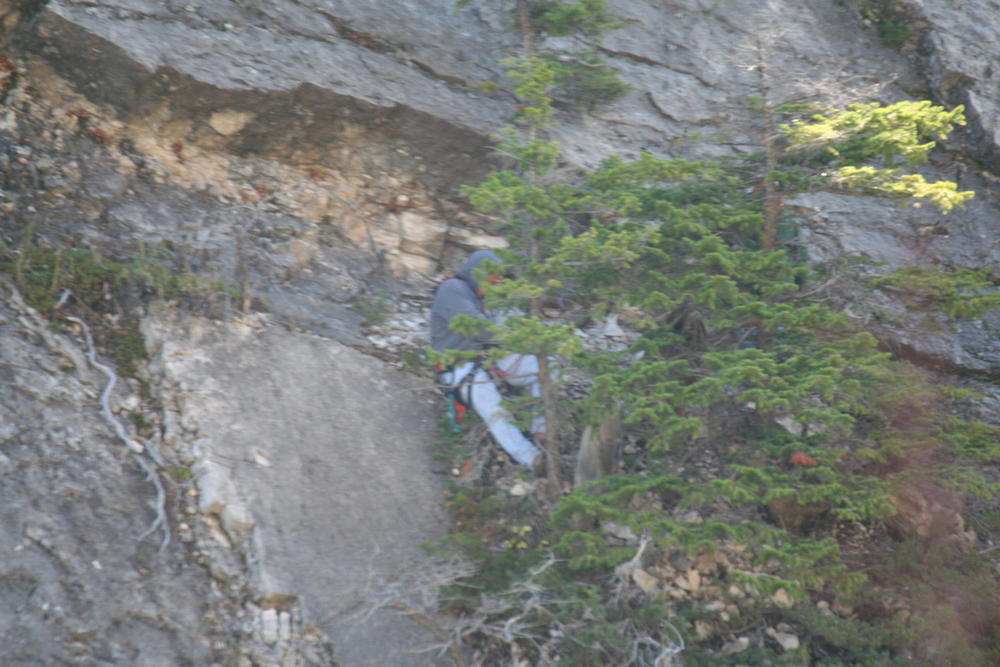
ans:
(962, 65)
(314, 458)
(308, 154)
(76, 582)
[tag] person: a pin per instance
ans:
(476, 387)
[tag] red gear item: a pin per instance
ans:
(802, 459)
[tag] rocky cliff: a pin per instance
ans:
(309, 154)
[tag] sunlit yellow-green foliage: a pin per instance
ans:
(864, 131)
(891, 183)
(867, 143)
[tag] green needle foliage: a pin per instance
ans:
(580, 79)
(100, 285)
(738, 356)
(43, 272)
(589, 17)
(960, 293)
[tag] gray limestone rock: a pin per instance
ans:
(77, 584)
(890, 237)
(962, 67)
(315, 458)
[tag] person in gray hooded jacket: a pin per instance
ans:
(461, 294)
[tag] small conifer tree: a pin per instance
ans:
(736, 354)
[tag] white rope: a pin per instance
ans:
(133, 446)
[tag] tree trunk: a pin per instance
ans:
(524, 25)
(552, 457)
(772, 204)
(600, 451)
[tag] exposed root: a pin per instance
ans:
(137, 449)
(454, 652)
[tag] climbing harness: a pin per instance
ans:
(512, 371)
(456, 405)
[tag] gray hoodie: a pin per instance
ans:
(460, 295)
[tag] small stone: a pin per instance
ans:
(130, 403)
(782, 598)
(737, 645)
(694, 580)
(691, 516)
(612, 328)
(619, 531)
(285, 626)
(644, 580)
(520, 489)
(269, 626)
(703, 630)
(689, 581)
(787, 640)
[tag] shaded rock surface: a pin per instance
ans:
(315, 458)
(962, 65)
(839, 226)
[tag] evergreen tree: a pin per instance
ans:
(737, 356)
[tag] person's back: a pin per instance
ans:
(473, 385)
(460, 296)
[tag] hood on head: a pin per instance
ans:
(474, 262)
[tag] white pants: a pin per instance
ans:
(478, 390)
